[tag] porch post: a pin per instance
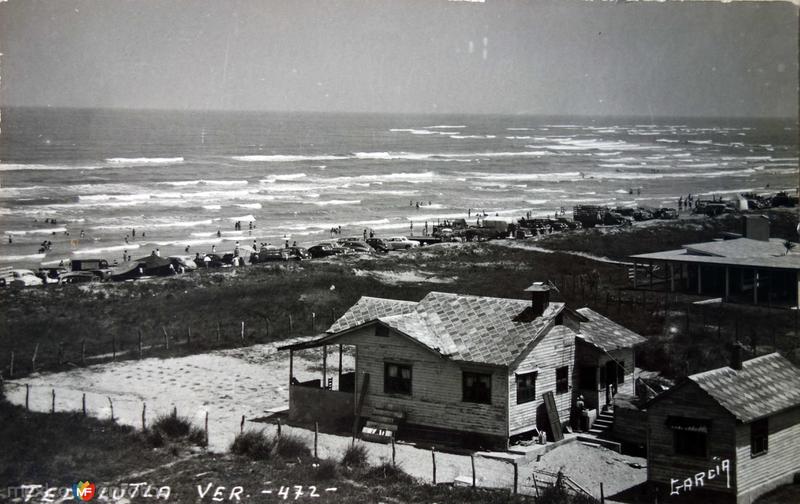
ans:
(699, 280)
(634, 274)
(291, 366)
(755, 287)
(671, 277)
(324, 366)
(727, 283)
(340, 366)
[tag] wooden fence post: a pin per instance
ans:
(11, 366)
(33, 359)
(290, 322)
(313, 321)
(394, 454)
(174, 412)
(166, 337)
(279, 428)
(472, 461)
(516, 475)
(241, 425)
(83, 404)
(316, 436)
(53, 403)
(111, 405)
(242, 331)
(535, 484)
(140, 345)
(144, 418)
(206, 425)
(433, 458)
(602, 494)
(27, 396)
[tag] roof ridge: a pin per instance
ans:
(388, 299)
(745, 364)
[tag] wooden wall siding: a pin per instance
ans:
(436, 386)
(551, 352)
(689, 401)
(782, 457)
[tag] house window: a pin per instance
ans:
(690, 436)
(477, 387)
(381, 330)
(588, 378)
(396, 378)
(562, 379)
(526, 387)
(759, 437)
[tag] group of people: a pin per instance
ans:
(419, 203)
(687, 203)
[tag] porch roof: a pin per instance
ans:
(743, 252)
(606, 334)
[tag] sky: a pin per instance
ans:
(559, 57)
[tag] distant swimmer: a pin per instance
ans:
(10, 240)
(219, 234)
(186, 249)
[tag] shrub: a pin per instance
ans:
(172, 426)
(253, 444)
(355, 456)
(291, 446)
(327, 469)
(392, 474)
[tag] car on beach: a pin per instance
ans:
(179, 262)
(77, 277)
(378, 245)
(400, 243)
(270, 254)
(51, 275)
(357, 245)
(99, 267)
(298, 253)
(22, 278)
(326, 250)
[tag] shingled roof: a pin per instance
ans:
(605, 333)
(467, 328)
(764, 386)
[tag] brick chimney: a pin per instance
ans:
(736, 356)
(540, 297)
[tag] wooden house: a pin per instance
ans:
(477, 370)
(732, 431)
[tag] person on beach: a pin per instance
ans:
(143, 234)
(10, 240)
(365, 234)
(219, 234)
(82, 234)
(371, 233)
(411, 227)
(680, 203)
(469, 212)
(158, 253)
(126, 238)
(124, 254)
(213, 248)
(186, 249)
(417, 205)
(133, 232)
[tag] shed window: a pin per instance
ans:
(526, 387)
(759, 437)
(477, 387)
(690, 436)
(562, 379)
(396, 378)
(381, 330)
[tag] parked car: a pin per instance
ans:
(298, 253)
(99, 267)
(269, 254)
(51, 275)
(213, 261)
(22, 278)
(179, 262)
(326, 250)
(77, 277)
(378, 245)
(356, 245)
(400, 243)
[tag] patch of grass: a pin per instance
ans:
(327, 469)
(174, 427)
(290, 446)
(355, 456)
(253, 444)
(389, 473)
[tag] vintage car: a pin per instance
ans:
(400, 243)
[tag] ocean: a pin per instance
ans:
(84, 179)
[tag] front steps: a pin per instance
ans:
(382, 424)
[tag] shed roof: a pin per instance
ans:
(606, 334)
(467, 328)
(739, 247)
(764, 386)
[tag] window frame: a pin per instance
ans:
(394, 381)
(526, 393)
(562, 384)
(473, 397)
(759, 435)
